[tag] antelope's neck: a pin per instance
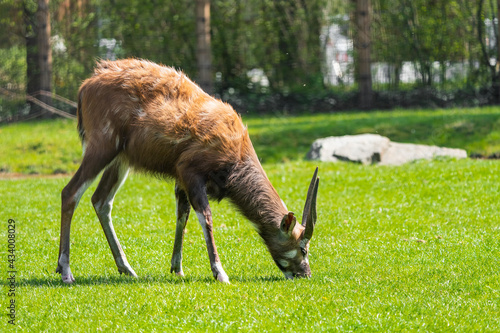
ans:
(252, 193)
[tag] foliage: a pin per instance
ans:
(12, 77)
(13, 70)
(293, 46)
(282, 38)
(75, 47)
(163, 33)
(11, 22)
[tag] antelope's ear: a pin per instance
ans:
(288, 223)
(309, 215)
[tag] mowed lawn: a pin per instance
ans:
(414, 247)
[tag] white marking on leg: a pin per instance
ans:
(82, 190)
(202, 220)
(63, 260)
(123, 170)
(221, 276)
(66, 275)
(217, 266)
(103, 209)
(177, 255)
(177, 264)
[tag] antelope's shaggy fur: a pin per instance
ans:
(160, 118)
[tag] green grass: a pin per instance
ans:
(370, 270)
(53, 146)
(45, 147)
(407, 248)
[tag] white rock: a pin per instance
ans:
(364, 148)
(400, 153)
(373, 148)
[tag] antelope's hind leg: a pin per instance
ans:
(112, 179)
(91, 165)
(182, 212)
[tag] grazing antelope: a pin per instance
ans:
(134, 113)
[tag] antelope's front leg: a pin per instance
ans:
(205, 219)
(182, 212)
(199, 200)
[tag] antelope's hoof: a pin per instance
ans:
(68, 279)
(127, 271)
(222, 277)
(177, 269)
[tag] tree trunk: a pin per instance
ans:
(32, 72)
(204, 56)
(362, 45)
(498, 52)
(44, 50)
(38, 54)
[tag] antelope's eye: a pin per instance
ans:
(303, 250)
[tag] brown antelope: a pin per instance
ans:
(134, 113)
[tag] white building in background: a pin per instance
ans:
(338, 48)
(339, 62)
(108, 48)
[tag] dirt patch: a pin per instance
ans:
(10, 175)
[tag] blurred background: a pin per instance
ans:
(261, 56)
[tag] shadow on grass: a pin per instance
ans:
(55, 280)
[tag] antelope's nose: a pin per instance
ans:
(303, 275)
(289, 275)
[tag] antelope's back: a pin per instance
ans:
(159, 119)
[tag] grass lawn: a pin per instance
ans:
(414, 247)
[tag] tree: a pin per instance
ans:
(203, 49)
(362, 45)
(486, 51)
(38, 51)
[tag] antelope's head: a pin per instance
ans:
(292, 250)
